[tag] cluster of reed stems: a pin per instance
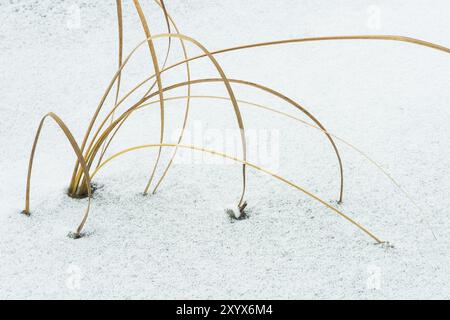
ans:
(91, 153)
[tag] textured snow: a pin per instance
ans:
(390, 99)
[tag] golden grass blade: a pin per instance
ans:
(120, 32)
(116, 103)
(159, 82)
(287, 41)
(80, 158)
(120, 29)
(315, 39)
(169, 29)
(258, 168)
(73, 183)
(163, 8)
(304, 122)
(74, 180)
(301, 40)
(288, 100)
(169, 46)
(188, 100)
(254, 85)
(299, 107)
(117, 77)
(95, 142)
(309, 125)
(169, 21)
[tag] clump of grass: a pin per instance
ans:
(92, 150)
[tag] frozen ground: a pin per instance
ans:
(389, 99)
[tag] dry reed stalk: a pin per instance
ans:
(159, 82)
(258, 168)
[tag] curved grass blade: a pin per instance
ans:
(92, 152)
(116, 103)
(258, 168)
(309, 125)
(315, 39)
(288, 100)
(80, 158)
(169, 21)
(419, 42)
(159, 82)
(188, 100)
(75, 180)
(120, 32)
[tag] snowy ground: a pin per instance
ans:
(389, 99)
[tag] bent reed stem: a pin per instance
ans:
(258, 168)
(261, 44)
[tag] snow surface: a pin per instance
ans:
(390, 99)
